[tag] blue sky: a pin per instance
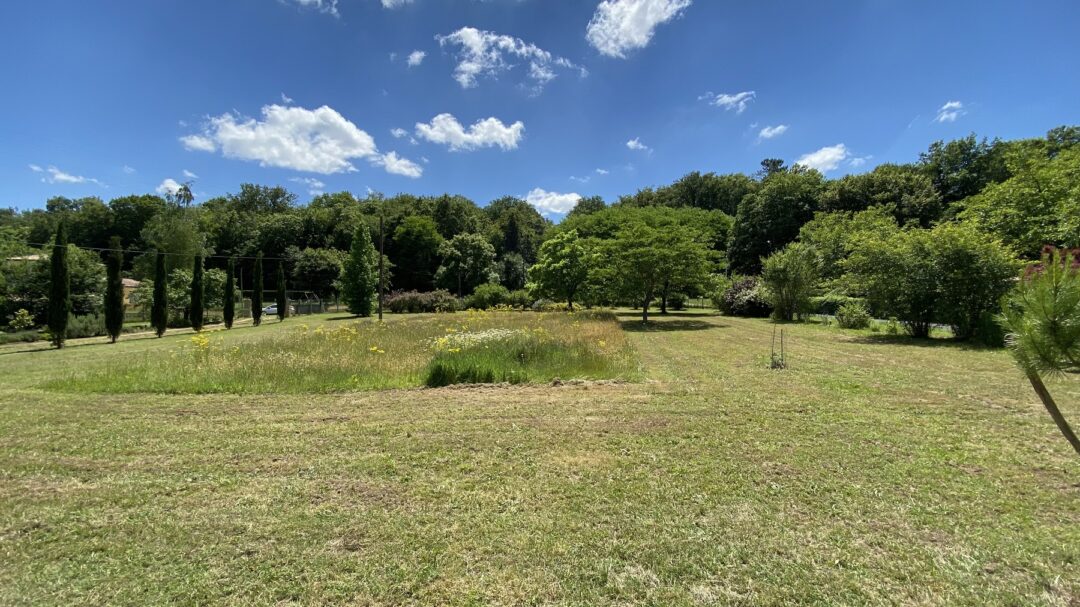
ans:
(538, 98)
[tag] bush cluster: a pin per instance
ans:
(853, 315)
(744, 297)
(415, 302)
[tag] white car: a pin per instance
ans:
(271, 310)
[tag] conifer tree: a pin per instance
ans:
(257, 291)
(159, 308)
(197, 294)
(230, 293)
(359, 278)
(59, 288)
(282, 294)
(114, 290)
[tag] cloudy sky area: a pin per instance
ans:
(543, 99)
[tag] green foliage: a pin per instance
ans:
(468, 261)
(743, 296)
(951, 274)
(513, 271)
(770, 217)
(1038, 205)
(415, 250)
(229, 297)
(59, 288)
(257, 290)
(829, 303)
(488, 296)
(197, 293)
(114, 289)
(562, 269)
(963, 167)
(835, 235)
(21, 320)
(853, 315)
(789, 277)
(414, 302)
(176, 232)
(1042, 315)
(159, 307)
(360, 276)
(587, 205)
(317, 270)
(903, 191)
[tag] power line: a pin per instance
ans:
(107, 250)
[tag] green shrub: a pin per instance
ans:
(27, 336)
(415, 302)
(520, 299)
(853, 315)
(677, 301)
(790, 276)
(89, 325)
(487, 296)
(828, 304)
(21, 320)
(744, 297)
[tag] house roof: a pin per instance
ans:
(131, 283)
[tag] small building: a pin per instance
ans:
(130, 284)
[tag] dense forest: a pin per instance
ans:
(938, 240)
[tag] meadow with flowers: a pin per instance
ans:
(321, 354)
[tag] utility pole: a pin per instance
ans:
(382, 241)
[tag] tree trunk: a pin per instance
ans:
(645, 310)
(1052, 408)
(570, 301)
(663, 298)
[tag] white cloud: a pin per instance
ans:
(395, 3)
(416, 58)
(198, 143)
(772, 131)
(128, 170)
(484, 53)
(190, 175)
(398, 133)
(584, 179)
(859, 161)
(950, 112)
(399, 166)
(826, 159)
(619, 26)
(286, 99)
(552, 203)
(601, 171)
(635, 144)
(55, 175)
(314, 186)
(446, 129)
(318, 141)
(729, 101)
(168, 187)
(323, 6)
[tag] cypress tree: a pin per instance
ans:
(197, 294)
(359, 279)
(282, 295)
(230, 293)
(114, 290)
(59, 288)
(257, 291)
(159, 308)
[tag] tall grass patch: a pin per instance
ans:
(338, 356)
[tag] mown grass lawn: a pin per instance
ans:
(871, 471)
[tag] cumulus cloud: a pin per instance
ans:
(489, 132)
(314, 186)
(636, 145)
(416, 58)
(168, 187)
(286, 99)
(399, 166)
(730, 101)
(950, 112)
(772, 131)
(317, 141)
(485, 54)
(398, 133)
(826, 159)
(620, 26)
(52, 174)
(552, 203)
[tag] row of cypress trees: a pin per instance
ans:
(60, 292)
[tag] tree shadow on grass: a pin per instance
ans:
(920, 342)
(661, 325)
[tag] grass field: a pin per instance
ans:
(873, 470)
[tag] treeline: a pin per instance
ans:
(658, 245)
